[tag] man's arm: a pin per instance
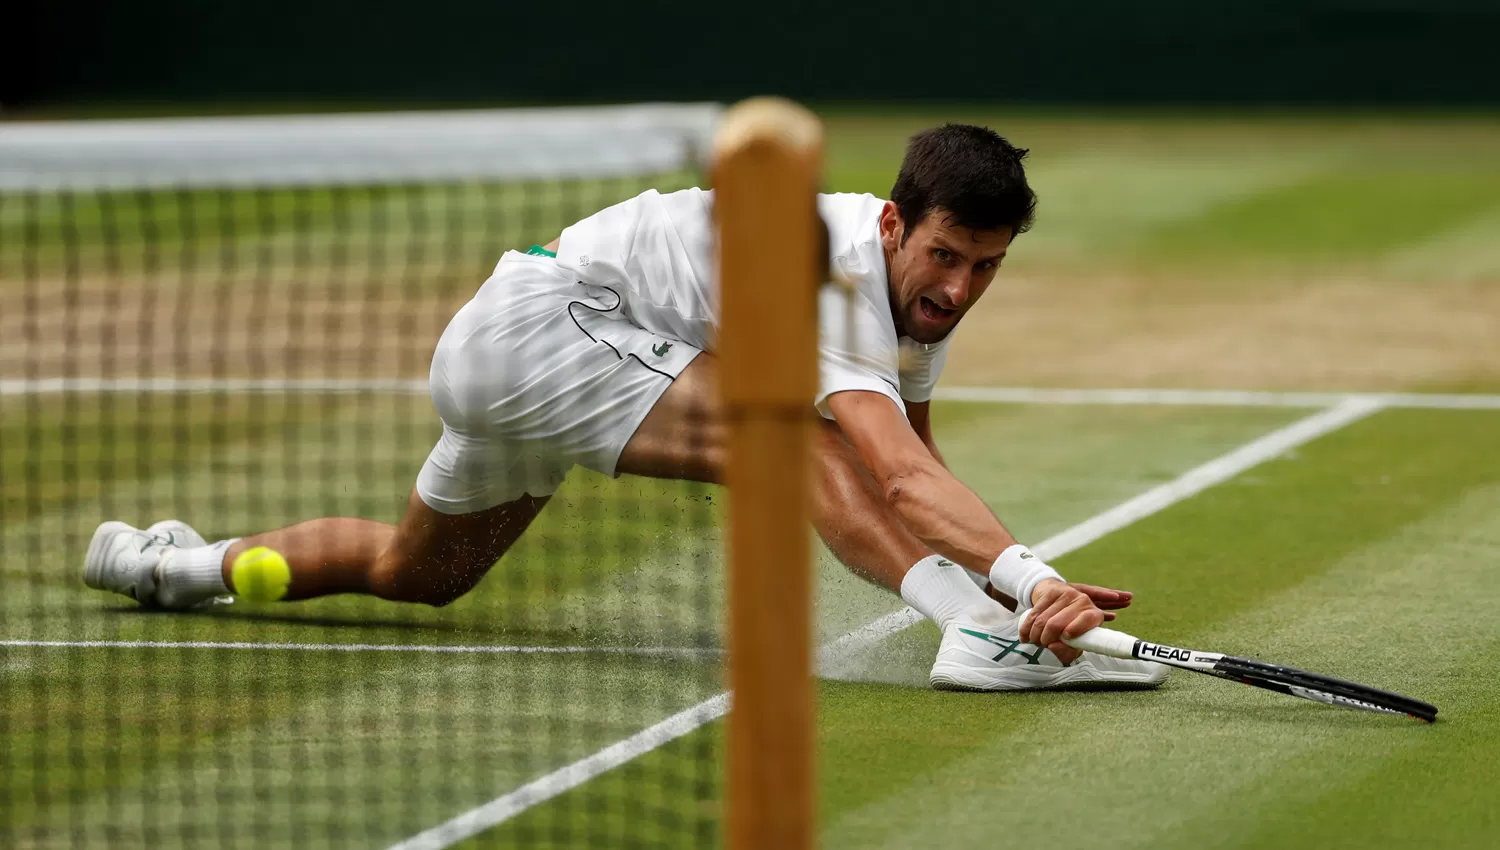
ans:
(940, 510)
(919, 414)
(945, 514)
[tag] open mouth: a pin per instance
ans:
(933, 312)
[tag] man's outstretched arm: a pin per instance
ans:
(919, 414)
(952, 520)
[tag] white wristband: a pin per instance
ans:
(1016, 572)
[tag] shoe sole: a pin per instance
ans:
(948, 676)
(93, 562)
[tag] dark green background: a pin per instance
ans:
(1166, 52)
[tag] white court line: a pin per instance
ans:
(1193, 481)
(1212, 398)
(1010, 395)
(55, 386)
(441, 649)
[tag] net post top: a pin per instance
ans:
(769, 120)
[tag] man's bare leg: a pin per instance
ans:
(683, 437)
(430, 557)
(435, 558)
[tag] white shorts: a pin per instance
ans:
(535, 374)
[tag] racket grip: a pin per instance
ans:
(1104, 642)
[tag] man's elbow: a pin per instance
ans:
(907, 486)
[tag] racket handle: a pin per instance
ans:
(1104, 642)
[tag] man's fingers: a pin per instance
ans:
(1069, 613)
(1052, 631)
(1083, 622)
(1106, 598)
(1031, 629)
(1110, 616)
(1058, 623)
(1036, 626)
(1031, 625)
(1097, 591)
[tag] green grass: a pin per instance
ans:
(1343, 558)
(1172, 195)
(1351, 216)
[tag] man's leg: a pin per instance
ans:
(429, 557)
(683, 437)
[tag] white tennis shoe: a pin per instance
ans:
(982, 658)
(127, 560)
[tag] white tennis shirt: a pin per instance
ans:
(657, 252)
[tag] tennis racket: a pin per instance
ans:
(1272, 677)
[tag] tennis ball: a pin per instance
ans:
(260, 575)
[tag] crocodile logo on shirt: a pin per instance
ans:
(662, 349)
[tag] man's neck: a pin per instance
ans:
(890, 294)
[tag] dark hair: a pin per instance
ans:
(970, 172)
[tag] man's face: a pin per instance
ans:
(938, 271)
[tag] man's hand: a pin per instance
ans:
(1104, 598)
(1062, 610)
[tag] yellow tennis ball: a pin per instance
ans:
(260, 575)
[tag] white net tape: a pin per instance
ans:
(380, 148)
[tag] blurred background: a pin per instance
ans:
(226, 56)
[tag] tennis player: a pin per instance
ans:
(597, 351)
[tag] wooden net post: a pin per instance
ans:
(767, 166)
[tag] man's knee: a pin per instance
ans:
(435, 558)
(400, 578)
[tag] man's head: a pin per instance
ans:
(960, 199)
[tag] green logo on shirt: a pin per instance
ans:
(662, 349)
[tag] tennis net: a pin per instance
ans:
(230, 321)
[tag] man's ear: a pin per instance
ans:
(891, 226)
